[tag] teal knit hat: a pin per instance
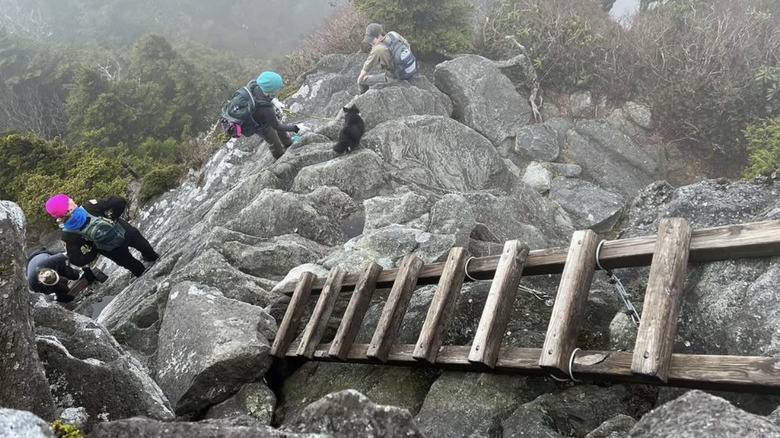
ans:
(269, 81)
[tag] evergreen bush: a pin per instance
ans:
(763, 146)
(159, 181)
(429, 26)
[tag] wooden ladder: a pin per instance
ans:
(652, 360)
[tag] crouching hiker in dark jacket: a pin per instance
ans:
(273, 132)
(48, 273)
(97, 228)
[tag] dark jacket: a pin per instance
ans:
(54, 260)
(80, 250)
(265, 115)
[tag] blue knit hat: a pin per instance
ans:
(269, 81)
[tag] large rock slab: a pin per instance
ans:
(610, 158)
(255, 400)
(15, 423)
(350, 414)
(697, 414)
(483, 98)
(388, 245)
(379, 105)
(541, 141)
(525, 215)
(330, 86)
(87, 368)
(453, 215)
(274, 257)
(397, 386)
(470, 404)
(147, 428)
(419, 151)
(167, 219)
(133, 316)
(210, 346)
(398, 208)
(616, 427)
(24, 384)
(360, 175)
(573, 412)
(731, 308)
(275, 212)
(588, 205)
(709, 203)
(211, 268)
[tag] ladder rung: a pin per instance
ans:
(570, 301)
(314, 330)
(442, 306)
(498, 306)
(393, 313)
(663, 299)
(356, 310)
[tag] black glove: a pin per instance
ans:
(296, 129)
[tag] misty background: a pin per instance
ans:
(255, 28)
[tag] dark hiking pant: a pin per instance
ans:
(122, 256)
(278, 141)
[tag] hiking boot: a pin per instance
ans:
(153, 258)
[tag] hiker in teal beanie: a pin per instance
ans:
(273, 132)
(269, 82)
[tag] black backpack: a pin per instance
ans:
(106, 234)
(237, 112)
(404, 60)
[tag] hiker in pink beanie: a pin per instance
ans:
(97, 228)
(58, 205)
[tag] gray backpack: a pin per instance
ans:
(404, 60)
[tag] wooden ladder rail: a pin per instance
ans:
(756, 239)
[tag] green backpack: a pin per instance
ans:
(106, 234)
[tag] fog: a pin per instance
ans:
(255, 27)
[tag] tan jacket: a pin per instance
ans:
(381, 55)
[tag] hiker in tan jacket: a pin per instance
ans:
(380, 54)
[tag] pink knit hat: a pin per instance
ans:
(58, 205)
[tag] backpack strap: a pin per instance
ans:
(248, 87)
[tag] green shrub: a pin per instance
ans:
(707, 71)
(568, 41)
(429, 26)
(82, 174)
(159, 180)
(763, 146)
(63, 430)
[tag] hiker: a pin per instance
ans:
(391, 51)
(96, 228)
(265, 114)
(48, 273)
